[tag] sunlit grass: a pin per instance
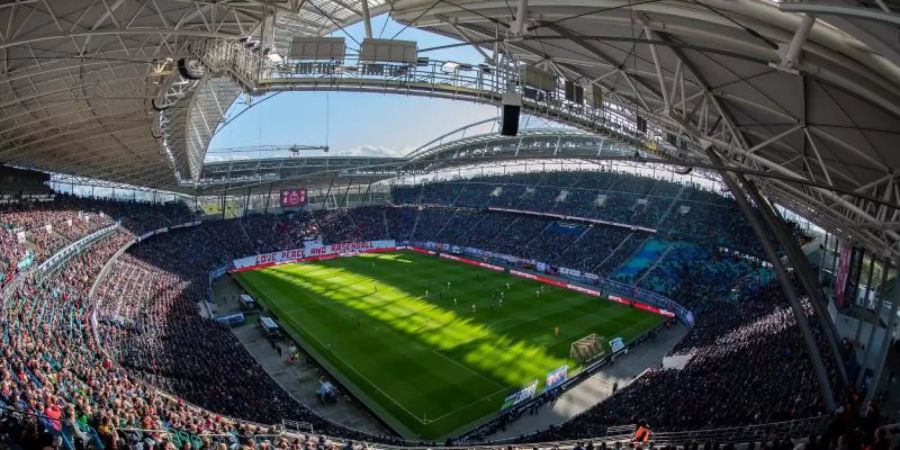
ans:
(429, 365)
(434, 325)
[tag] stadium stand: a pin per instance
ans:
(751, 346)
(618, 174)
(62, 381)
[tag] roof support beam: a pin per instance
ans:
(659, 71)
(804, 272)
(367, 21)
(596, 51)
(469, 40)
(812, 347)
(841, 10)
(831, 195)
(121, 32)
(815, 149)
(518, 26)
(772, 139)
(792, 52)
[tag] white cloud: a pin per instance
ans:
(361, 150)
(372, 150)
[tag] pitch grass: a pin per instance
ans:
(429, 366)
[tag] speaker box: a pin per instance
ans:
(512, 106)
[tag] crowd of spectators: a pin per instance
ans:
(692, 275)
(150, 318)
(133, 380)
(32, 231)
(729, 335)
(140, 353)
(678, 211)
(748, 365)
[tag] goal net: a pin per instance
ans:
(587, 348)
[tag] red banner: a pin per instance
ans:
(311, 252)
(542, 279)
(620, 300)
(292, 198)
(471, 261)
(840, 279)
(583, 290)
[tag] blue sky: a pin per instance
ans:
(359, 123)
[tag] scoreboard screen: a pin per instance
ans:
(292, 198)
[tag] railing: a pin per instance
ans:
(445, 79)
(227, 56)
(478, 83)
(752, 433)
(797, 429)
(53, 262)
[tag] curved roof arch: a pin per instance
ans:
(803, 89)
(77, 77)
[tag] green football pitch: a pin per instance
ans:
(400, 331)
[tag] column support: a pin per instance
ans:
(894, 294)
(804, 274)
(876, 321)
(783, 277)
(367, 20)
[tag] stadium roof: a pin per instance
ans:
(826, 109)
(77, 77)
(803, 89)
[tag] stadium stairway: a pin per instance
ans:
(544, 230)
(672, 204)
(599, 267)
(661, 258)
(387, 228)
(415, 224)
(245, 234)
(643, 259)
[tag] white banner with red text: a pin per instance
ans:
(311, 251)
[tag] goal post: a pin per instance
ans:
(587, 348)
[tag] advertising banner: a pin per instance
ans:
(616, 344)
(556, 377)
(312, 251)
(519, 396)
(840, 281)
(472, 262)
(293, 198)
(570, 272)
(542, 279)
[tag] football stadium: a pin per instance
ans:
(436, 224)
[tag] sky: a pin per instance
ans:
(354, 123)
